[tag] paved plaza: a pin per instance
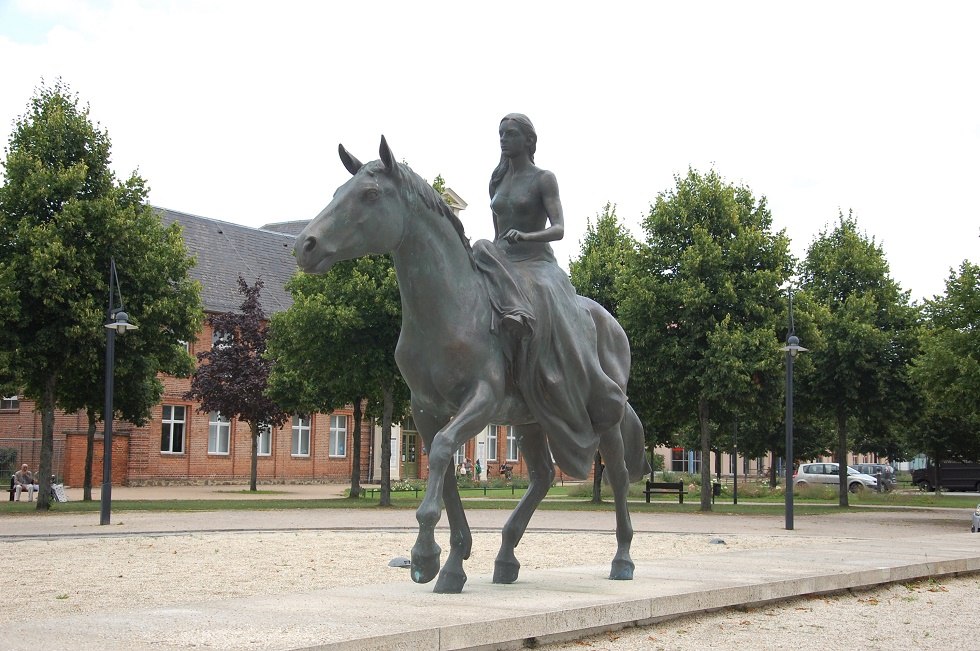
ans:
(354, 601)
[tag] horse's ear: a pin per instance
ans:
(386, 156)
(351, 163)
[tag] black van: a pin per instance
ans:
(953, 476)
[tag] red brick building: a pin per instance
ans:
(182, 445)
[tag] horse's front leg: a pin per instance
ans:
(473, 416)
(425, 552)
(613, 454)
(541, 473)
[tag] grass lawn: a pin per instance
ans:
(572, 497)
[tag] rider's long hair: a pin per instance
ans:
(532, 144)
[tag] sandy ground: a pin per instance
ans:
(77, 575)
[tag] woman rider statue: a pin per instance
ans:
(547, 331)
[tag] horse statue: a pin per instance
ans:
(455, 367)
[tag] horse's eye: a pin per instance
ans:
(372, 194)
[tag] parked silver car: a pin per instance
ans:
(881, 471)
(826, 473)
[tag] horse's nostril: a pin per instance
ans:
(309, 244)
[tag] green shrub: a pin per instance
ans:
(8, 461)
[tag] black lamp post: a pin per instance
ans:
(792, 348)
(118, 322)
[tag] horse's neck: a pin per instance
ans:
(439, 285)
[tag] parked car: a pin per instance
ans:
(881, 471)
(952, 476)
(826, 473)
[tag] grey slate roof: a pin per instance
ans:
(224, 250)
(291, 228)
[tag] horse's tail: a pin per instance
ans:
(634, 445)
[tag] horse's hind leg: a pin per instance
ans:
(611, 448)
(541, 471)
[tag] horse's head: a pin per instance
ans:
(361, 220)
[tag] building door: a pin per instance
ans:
(410, 461)
(410, 454)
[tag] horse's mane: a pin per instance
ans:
(434, 201)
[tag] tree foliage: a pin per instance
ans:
(232, 377)
(859, 373)
(63, 216)
(336, 345)
(700, 306)
(605, 256)
(947, 370)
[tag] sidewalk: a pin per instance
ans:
(217, 492)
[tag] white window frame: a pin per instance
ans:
(492, 433)
(10, 403)
(172, 424)
(219, 434)
(512, 449)
(338, 436)
(459, 455)
(264, 444)
(302, 425)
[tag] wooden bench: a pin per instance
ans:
(665, 488)
(371, 492)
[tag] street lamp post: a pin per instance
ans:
(117, 323)
(792, 348)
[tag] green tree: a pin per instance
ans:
(947, 371)
(859, 375)
(605, 255)
(232, 377)
(63, 216)
(336, 346)
(701, 306)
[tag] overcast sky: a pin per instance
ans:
(233, 110)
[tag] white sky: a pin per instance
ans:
(233, 110)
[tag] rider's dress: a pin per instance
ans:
(550, 340)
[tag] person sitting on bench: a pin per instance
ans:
(24, 480)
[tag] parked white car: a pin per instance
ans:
(826, 473)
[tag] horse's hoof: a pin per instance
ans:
(450, 582)
(506, 571)
(425, 566)
(622, 571)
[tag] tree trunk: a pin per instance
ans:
(772, 470)
(387, 408)
(89, 454)
(597, 479)
(47, 444)
(355, 471)
(842, 455)
(705, 455)
(254, 470)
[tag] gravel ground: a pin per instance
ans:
(79, 575)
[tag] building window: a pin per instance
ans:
(683, 460)
(265, 440)
(492, 442)
(301, 436)
(221, 339)
(172, 438)
(338, 436)
(511, 445)
(459, 455)
(10, 403)
(219, 433)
